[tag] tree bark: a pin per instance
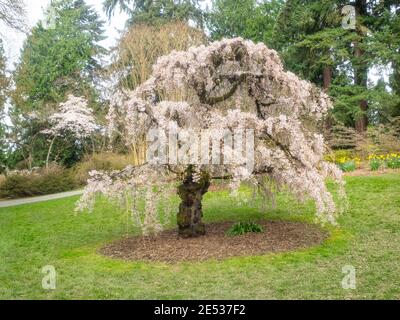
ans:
(395, 83)
(30, 160)
(362, 120)
(49, 152)
(190, 210)
(396, 67)
(327, 77)
(361, 67)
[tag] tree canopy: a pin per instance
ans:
(315, 44)
(57, 59)
(61, 58)
(249, 19)
(156, 12)
(228, 86)
(4, 89)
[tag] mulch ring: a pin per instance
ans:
(277, 236)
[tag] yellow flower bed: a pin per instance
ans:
(390, 160)
(383, 157)
(347, 162)
(343, 160)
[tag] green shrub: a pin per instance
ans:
(348, 166)
(21, 184)
(241, 228)
(375, 164)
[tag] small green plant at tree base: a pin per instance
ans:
(348, 166)
(375, 164)
(241, 228)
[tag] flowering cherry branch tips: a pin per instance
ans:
(74, 116)
(231, 85)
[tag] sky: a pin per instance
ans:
(13, 40)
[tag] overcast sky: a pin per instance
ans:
(13, 41)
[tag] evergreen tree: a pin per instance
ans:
(57, 59)
(373, 18)
(4, 79)
(60, 58)
(4, 87)
(385, 47)
(315, 45)
(249, 19)
(157, 11)
(311, 39)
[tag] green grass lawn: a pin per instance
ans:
(36, 235)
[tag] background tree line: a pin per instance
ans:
(66, 59)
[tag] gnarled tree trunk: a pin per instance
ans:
(190, 210)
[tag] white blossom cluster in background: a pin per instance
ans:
(234, 84)
(74, 116)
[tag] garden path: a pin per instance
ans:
(16, 202)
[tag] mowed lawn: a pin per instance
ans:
(36, 235)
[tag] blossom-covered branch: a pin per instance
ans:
(74, 117)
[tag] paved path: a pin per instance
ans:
(12, 203)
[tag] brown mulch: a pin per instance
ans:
(277, 236)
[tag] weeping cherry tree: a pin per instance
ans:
(229, 86)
